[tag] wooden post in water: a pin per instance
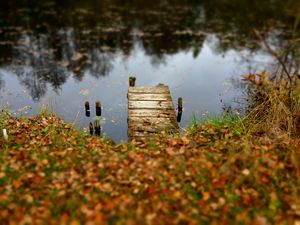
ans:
(87, 109)
(91, 128)
(97, 126)
(179, 108)
(98, 108)
(94, 126)
(132, 80)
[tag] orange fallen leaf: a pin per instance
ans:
(206, 196)
(170, 151)
(17, 183)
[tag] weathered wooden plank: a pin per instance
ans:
(152, 120)
(156, 113)
(142, 131)
(149, 90)
(152, 129)
(149, 97)
(146, 134)
(150, 105)
(139, 135)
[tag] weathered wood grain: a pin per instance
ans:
(150, 111)
(149, 97)
(150, 90)
(161, 105)
(153, 129)
(151, 120)
(139, 135)
(156, 113)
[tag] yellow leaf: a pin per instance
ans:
(206, 196)
(2, 175)
(185, 140)
(246, 172)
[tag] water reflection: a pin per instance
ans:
(58, 48)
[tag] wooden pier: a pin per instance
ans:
(150, 111)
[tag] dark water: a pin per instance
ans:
(61, 54)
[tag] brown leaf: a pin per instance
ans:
(170, 151)
(37, 179)
(132, 155)
(201, 140)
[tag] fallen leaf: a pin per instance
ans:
(84, 91)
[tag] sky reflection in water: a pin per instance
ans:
(202, 81)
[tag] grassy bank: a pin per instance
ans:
(50, 173)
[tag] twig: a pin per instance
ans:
(76, 117)
(274, 53)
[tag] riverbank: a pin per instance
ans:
(50, 172)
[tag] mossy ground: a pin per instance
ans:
(51, 173)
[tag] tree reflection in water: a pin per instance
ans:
(46, 42)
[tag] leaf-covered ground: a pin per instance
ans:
(52, 174)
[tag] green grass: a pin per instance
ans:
(194, 120)
(219, 121)
(4, 115)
